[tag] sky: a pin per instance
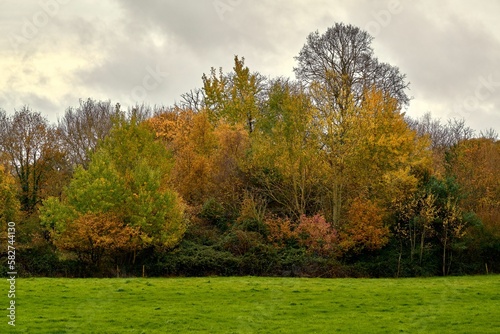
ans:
(55, 52)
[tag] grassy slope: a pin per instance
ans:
(256, 305)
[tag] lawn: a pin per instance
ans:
(255, 305)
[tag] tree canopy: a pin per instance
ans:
(321, 175)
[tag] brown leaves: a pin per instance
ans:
(476, 164)
(314, 233)
(95, 234)
(207, 158)
(365, 228)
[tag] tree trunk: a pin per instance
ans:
(422, 242)
(444, 255)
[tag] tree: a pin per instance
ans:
(453, 227)
(476, 165)
(342, 60)
(433, 218)
(207, 158)
(442, 136)
(317, 235)
(340, 71)
(192, 100)
(284, 161)
(366, 229)
(29, 143)
(126, 184)
(83, 127)
(314, 233)
(381, 145)
(94, 235)
(9, 204)
(234, 97)
(364, 147)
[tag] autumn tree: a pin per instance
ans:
(339, 68)
(233, 97)
(366, 229)
(207, 158)
(92, 236)
(9, 204)
(365, 150)
(433, 219)
(317, 235)
(313, 233)
(29, 143)
(476, 165)
(125, 184)
(382, 147)
(284, 163)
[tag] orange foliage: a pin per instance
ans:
(280, 231)
(314, 233)
(476, 164)
(206, 157)
(365, 228)
(92, 236)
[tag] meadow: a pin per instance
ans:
(256, 305)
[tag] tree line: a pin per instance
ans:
(323, 175)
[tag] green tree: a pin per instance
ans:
(127, 180)
(284, 160)
(233, 97)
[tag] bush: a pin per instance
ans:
(198, 260)
(262, 260)
(39, 261)
(213, 212)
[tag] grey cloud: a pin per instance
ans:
(445, 48)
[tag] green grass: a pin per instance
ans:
(256, 305)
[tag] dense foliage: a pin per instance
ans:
(324, 176)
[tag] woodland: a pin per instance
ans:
(323, 175)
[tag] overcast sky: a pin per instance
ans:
(55, 52)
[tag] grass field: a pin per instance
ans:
(255, 305)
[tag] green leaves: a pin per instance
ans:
(127, 179)
(233, 97)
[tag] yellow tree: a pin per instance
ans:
(339, 67)
(285, 163)
(372, 158)
(383, 147)
(233, 97)
(9, 204)
(476, 165)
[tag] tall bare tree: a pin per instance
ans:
(83, 127)
(342, 59)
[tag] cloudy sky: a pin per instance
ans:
(55, 52)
